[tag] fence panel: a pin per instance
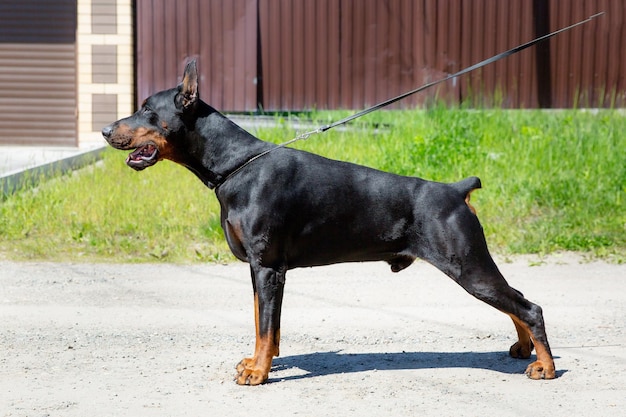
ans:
(222, 35)
(329, 54)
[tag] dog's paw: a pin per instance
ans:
(521, 350)
(540, 370)
(249, 374)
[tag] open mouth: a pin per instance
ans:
(143, 157)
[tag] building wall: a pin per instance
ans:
(105, 66)
(38, 72)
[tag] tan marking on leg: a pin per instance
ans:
(543, 367)
(523, 347)
(255, 370)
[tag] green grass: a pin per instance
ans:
(552, 181)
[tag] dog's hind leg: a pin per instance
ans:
(486, 283)
(268, 285)
(466, 259)
(524, 346)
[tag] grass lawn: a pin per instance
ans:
(552, 181)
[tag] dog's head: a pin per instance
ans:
(152, 132)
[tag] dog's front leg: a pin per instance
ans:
(268, 285)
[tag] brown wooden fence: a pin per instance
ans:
(329, 54)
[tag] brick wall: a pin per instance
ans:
(105, 66)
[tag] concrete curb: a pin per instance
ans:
(13, 181)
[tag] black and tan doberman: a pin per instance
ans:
(292, 209)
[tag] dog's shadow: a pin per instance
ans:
(331, 363)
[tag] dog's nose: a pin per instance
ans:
(106, 131)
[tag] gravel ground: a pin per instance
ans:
(163, 340)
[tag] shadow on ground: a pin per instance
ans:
(331, 363)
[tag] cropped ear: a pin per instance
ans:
(188, 95)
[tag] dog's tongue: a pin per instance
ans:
(144, 153)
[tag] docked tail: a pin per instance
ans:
(465, 188)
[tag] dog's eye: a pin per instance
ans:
(150, 114)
